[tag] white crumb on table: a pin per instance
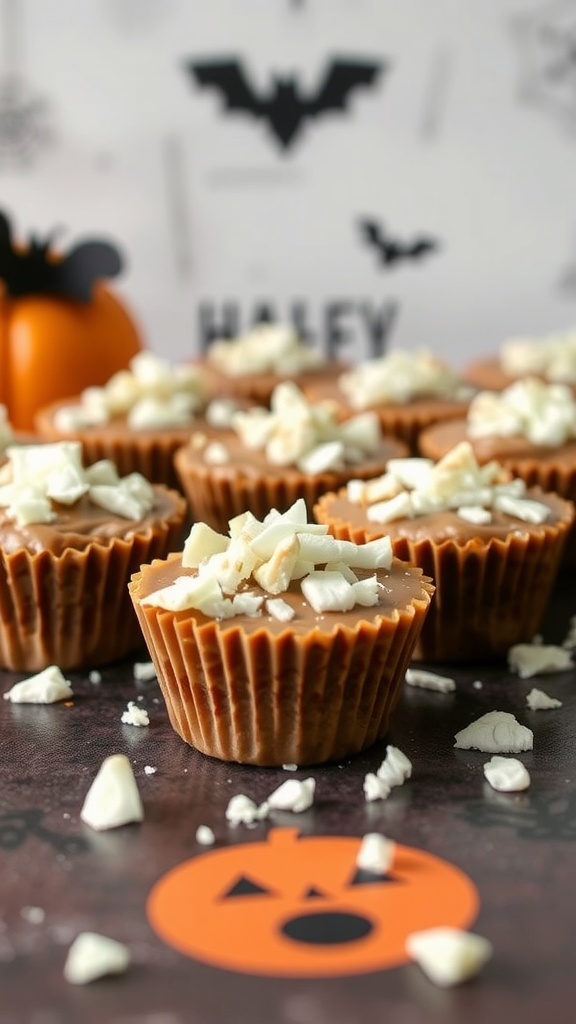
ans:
(538, 700)
(144, 670)
(93, 956)
(135, 715)
(45, 687)
(496, 732)
(425, 680)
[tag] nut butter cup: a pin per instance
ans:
(271, 697)
(490, 594)
(73, 609)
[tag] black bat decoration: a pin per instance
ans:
(35, 270)
(392, 250)
(285, 109)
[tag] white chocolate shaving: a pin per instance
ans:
(537, 700)
(400, 376)
(273, 553)
(545, 414)
(448, 956)
(46, 687)
(376, 853)
(456, 482)
(94, 956)
(538, 659)
(294, 795)
(241, 810)
(296, 432)
(42, 474)
(135, 715)
(552, 357)
(113, 798)
(267, 348)
(429, 680)
(393, 771)
(496, 732)
(506, 774)
(152, 394)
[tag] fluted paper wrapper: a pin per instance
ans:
(266, 699)
(73, 610)
(489, 595)
(216, 497)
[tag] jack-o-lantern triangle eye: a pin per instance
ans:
(245, 886)
(364, 877)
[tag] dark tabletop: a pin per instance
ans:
(519, 850)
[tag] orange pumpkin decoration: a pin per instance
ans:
(299, 907)
(61, 329)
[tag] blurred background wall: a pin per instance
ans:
(385, 173)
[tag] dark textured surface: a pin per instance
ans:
(520, 850)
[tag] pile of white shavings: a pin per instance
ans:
(36, 476)
(400, 376)
(542, 413)
(151, 394)
(416, 487)
(267, 348)
(552, 356)
(272, 553)
(307, 435)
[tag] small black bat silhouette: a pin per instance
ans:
(35, 270)
(285, 109)
(392, 250)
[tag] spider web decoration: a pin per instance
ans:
(546, 41)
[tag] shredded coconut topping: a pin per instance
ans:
(38, 475)
(272, 553)
(417, 487)
(295, 432)
(398, 377)
(542, 413)
(267, 348)
(151, 394)
(552, 357)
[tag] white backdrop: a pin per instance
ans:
(466, 136)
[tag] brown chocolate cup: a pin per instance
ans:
(270, 698)
(257, 388)
(402, 421)
(73, 610)
(489, 595)
(488, 375)
(149, 452)
(216, 494)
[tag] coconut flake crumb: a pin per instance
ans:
(95, 677)
(393, 771)
(135, 715)
(376, 853)
(537, 700)
(205, 836)
(535, 659)
(290, 767)
(496, 732)
(429, 680)
(506, 774)
(477, 684)
(34, 915)
(93, 956)
(293, 795)
(144, 671)
(448, 956)
(149, 769)
(46, 687)
(241, 810)
(113, 798)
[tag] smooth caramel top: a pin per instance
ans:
(435, 441)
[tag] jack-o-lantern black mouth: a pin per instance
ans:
(327, 928)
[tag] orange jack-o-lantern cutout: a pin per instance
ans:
(61, 329)
(300, 907)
